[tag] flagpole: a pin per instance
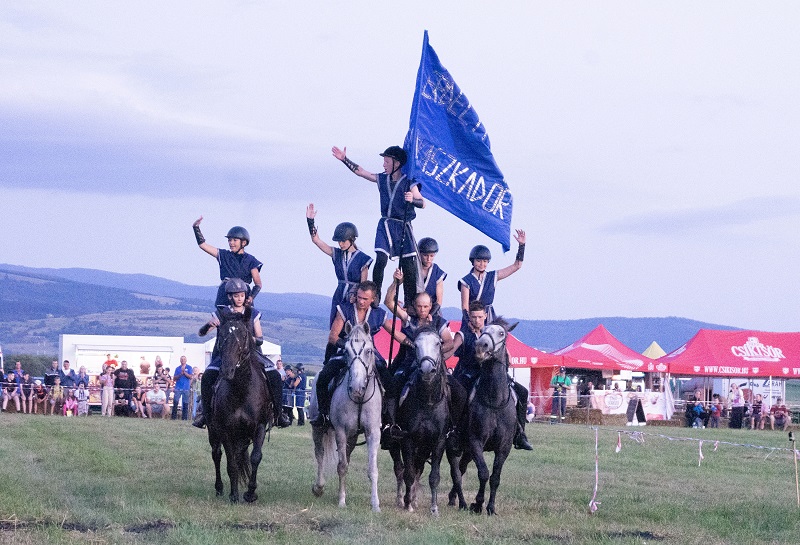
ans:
(397, 286)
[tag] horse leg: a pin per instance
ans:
(483, 476)
(397, 458)
(216, 455)
(494, 483)
(255, 459)
(409, 473)
(458, 467)
(373, 445)
(232, 463)
(341, 468)
(319, 453)
(435, 476)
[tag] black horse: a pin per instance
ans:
(241, 407)
(491, 419)
(425, 415)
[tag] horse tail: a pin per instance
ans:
(331, 459)
(243, 461)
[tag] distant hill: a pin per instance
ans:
(36, 305)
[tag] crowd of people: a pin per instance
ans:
(740, 411)
(63, 392)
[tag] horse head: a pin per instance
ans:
(492, 342)
(428, 345)
(235, 343)
(360, 353)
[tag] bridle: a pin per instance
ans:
(369, 370)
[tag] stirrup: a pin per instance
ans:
(200, 421)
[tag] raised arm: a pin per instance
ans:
(201, 241)
(311, 213)
(517, 265)
(341, 154)
(390, 299)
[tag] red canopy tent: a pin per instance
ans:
(737, 354)
(599, 349)
(541, 364)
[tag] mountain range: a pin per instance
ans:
(38, 304)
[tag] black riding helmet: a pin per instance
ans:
(239, 232)
(345, 231)
(428, 246)
(480, 252)
(236, 285)
(397, 153)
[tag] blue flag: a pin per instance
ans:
(449, 153)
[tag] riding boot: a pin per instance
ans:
(390, 412)
(276, 391)
(206, 393)
(301, 416)
(520, 439)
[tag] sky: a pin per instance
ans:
(651, 147)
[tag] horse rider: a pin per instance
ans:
(479, 284)
(405, 363)
(350, 264)
(233, 263)
(236, 290)
(353, 314)
(430, 278)
(399, 196)
(468, 368)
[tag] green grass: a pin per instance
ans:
(96, 480)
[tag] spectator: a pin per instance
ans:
(56, 397)
(39, 397)
(70, 404)
(183, 381)
(779, 414)
(82, 396)
(82, 378)
(51, 374)
(288, 392)
(279, 367)
(110, 362)
(26, 390)
(696, 414)
(125, 381)
(156, 402)
(144, 366)
(757, 413)
(122, 405)
(530, 413)
(107, 391)
(11, 390)
(138, 401)
(159, 375)
(300, 395)
(716, 410)
(560, 383)
(737, 407)
(68, 376)
(196, 381)
(168, 389)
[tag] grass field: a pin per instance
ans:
(96, 480)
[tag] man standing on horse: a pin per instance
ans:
(430, 278)
(468, 368)
(398, 198)
(237, 296)
(351, 315)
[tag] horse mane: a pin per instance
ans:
(502, 322)
(428, 328)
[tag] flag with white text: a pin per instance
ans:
(449, 153)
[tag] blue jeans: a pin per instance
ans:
(183, 395)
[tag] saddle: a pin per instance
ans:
(473, 392)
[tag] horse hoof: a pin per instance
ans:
(410, 508)
(434, 511)
(317, 490)
(234, 499)
(376, 509)
(250, 498)
(490, 511)
(476, 508)
(462, 506)
(219, 493)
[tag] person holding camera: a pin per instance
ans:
(560, 384)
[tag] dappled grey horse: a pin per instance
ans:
(355, 408)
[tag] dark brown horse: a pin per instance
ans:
(241, 407)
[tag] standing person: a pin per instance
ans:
(26, 392)
(82, 397)
(355, 314)
(560, 383)
(51, 374)
(430, 278)
(237, 295)
(398, 197)
(289, 384)
(300, 394)
(468, 368)
(111, 362)
(716, 410)
(479, 284)
(350, 264)
(196, 381)
(11, 390)
(125, 380)
(107, 391)
(183, 381)
(737, 400)
(82, 377)
(233, 263)
(56, 397)
(68, 376)
(160, 375)
(757, 413)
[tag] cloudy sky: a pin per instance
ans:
(652, 148)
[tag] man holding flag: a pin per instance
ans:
(399, 195)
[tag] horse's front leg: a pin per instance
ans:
(410, 472)
(435, 477)
(255, 459)
(373, 435)
(232, 463)
(341, 468)
(399, 468)
(216, 455)
(494, 482)
(483, 475)
(319, 453)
